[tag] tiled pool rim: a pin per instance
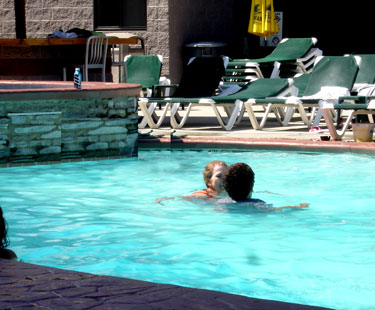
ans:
(15, 90)
(176, 142)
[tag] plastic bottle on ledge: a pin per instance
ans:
(77, 78)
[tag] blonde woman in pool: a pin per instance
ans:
(212, 176)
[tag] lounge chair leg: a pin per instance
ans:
(150, 111)
(176, 120)
(249, 109)
(265, 116)
(317, 118)
(149, 116)
(297, 104)
(240, 114)
(232, 115)
(288, 115)
(327, 115)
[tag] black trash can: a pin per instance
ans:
(204, 49)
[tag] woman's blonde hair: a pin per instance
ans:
(208, 170)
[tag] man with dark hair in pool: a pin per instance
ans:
(4, 242)
(238, 182)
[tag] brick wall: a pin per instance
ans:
(46, 16)
(157, 34)
(170, 24)
(7, 19)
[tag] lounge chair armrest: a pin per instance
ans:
(166, 85)
(242, 63)
(157, 90)
(314, 52)
(349, 106)
(355, 99)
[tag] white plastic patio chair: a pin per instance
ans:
(95, 56)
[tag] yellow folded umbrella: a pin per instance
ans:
(263, 21)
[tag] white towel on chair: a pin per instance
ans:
(329, 93)
(367, 90)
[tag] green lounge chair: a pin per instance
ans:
(301, 82)
(144, 70)
(366, 73)
(200, 78)
(365, 76)
(232, 104)
(331, 77)
(363, 104)
(297, 55)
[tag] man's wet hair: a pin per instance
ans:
(238, 181)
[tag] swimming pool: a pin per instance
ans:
(100, 217)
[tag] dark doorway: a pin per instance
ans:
(19, 7)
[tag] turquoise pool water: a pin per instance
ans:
(101, 217)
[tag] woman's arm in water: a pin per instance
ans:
(301, 205)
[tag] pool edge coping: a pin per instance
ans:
(58, 288)
(252, 143)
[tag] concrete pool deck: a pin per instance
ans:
(28, 286)
(206, 131)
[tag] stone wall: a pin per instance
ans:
(4, 138)
(64, 129)
(33, 135)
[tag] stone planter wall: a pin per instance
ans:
(64, 129)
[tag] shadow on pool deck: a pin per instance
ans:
(27, 286)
